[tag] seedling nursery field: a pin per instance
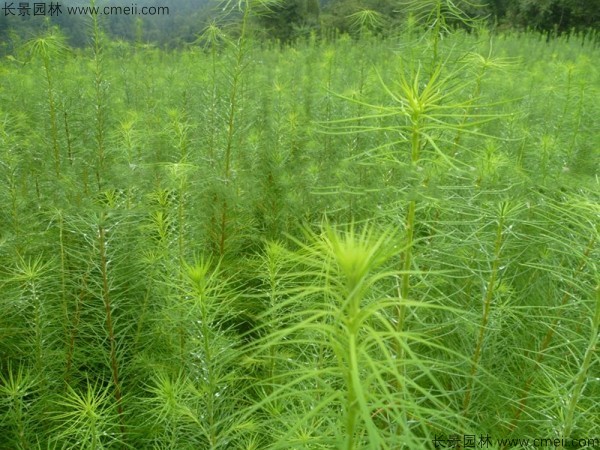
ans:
(350, 243)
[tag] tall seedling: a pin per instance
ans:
(211, 40)
(438, 17)
(47, 48)
(100, 99)
(333, 377)
(425, 111)
(247, 9)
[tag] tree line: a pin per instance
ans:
(289, 20)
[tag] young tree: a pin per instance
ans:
(342, 14)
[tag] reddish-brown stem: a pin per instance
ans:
(109, 324)
(546, 342)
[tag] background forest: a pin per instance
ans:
(292, 19)
(383, 236)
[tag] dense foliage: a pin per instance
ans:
(288, 20)
(349, 244)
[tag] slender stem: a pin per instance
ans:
(100, 103)
(583, 372)
(231, 124)
(407, 257)
(74, 327)
(52, 111)
(352, 401)
(489, 295)
(114, 364)
(68, 136)
(37, 317)
(63, 277)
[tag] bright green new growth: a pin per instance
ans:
(337, 301)
(355, 244)
(366, 20)
(47, 48)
